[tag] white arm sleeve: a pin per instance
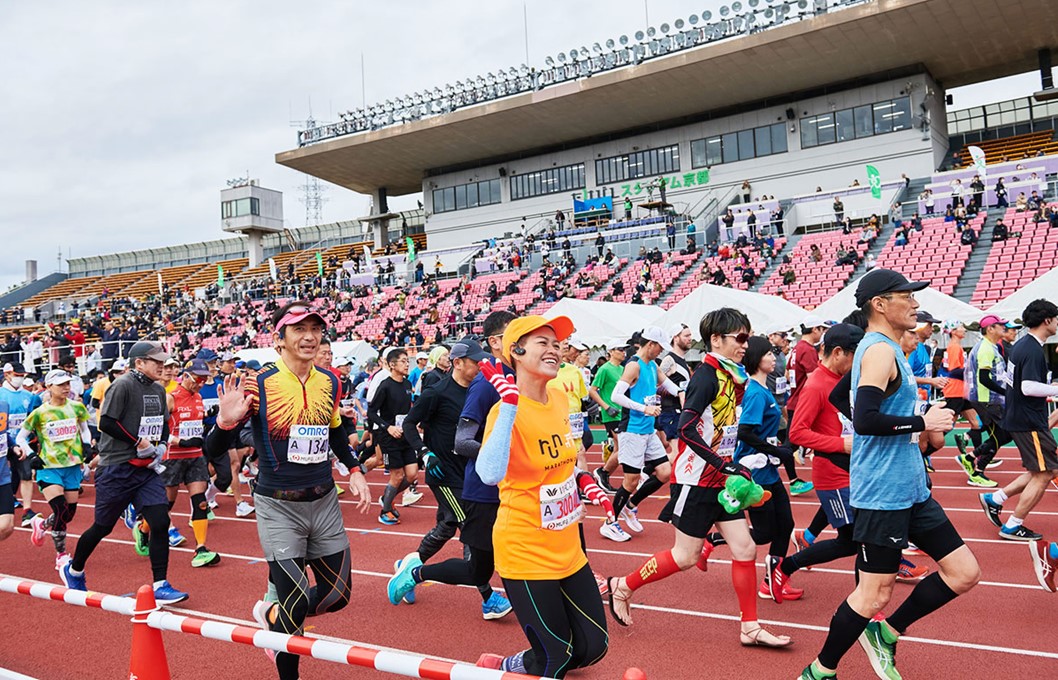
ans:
(670, 387)
(621, 399)
(22, 440)
(1031, 388)
(86, 434)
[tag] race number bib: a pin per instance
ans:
(190, 429)
(846, 425)
(208, 404)
(652, 400)
(3, 446)
(728, 441)
(14, 421)
(151, 428)
(399, 422)
(560, 504)
(781, 386)
(576, 423)
(921, 405)
(308, 444)
(61, 430)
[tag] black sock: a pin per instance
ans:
(620, 499)
(387, 498)
(583, 543)
(929, 595)
(819, 523)
(648, 487)
(845, 628)
(930, 450)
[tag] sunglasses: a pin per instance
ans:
(740, 338)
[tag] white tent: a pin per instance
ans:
(764, 311)
(933, 301)
(605, 324)
(1045, 287)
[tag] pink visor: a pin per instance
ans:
(297, 315)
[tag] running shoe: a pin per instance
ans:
(981, 480)
(175, 537)
(799, 455)
(712, 540)
(204, 557)
(1019, 533)
(401, 585)
(342, 468)
(166, 594)
(141, 540)
(36, 536)
(929, 464)
(27, 518)
(129, 516)
(771, 587)
(244, 509)
(992, 509)
(211, 495)
(880, 644)
(631, 518)
(71, 580)
(789, 592)
(60, 561)
(962, 441)
(496, 607)
(491, 661)
(801, 543)
(607, 450)
(966, 462)
(994, 463)
(614, 532)
(912, 551)
(602, 478)
(411, 497)
(601, 583)
(388, 518)
(909, 572)
(800, 486)
(813, 672)
(1044, 563)
(260, 615)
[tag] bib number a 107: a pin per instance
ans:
(151, 428)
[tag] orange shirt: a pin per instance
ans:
(954, 358)
(539, 491)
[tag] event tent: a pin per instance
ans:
(1045, 287)
(606, 324)
(764, 311)
(930, 300)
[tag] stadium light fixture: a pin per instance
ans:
(736, 7)
(562, 57)
(707, 15)
(609, 43)
(549, 61)
(664, 28)
(724, 10)
(693, 19)
(678, 24)
(623, 40)
(639, 36)
(651, 32)
(597, 48)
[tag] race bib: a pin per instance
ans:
(560, 504)
(728, 441)
(151, 428)
(576, 424)
(3, 446)
(207, 404)
(921, 405)
(846, 425)
(781, 386)
(308, 444)
(61, 430)
(400, 420)
(14, 421)
(190, 429)
(652, 400)
(346, 403)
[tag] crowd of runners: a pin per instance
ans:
(497, 426)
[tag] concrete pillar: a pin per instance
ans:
(380, 206)
(255, 246)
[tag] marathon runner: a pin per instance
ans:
(803, 360)
(888, 488)
(674, 367)
(387, 411)
(601, 392)
(953, 368)
(20, 402)
(920, 359)
(210, 393)
(293, 409)
(987, 369)
(7, 496)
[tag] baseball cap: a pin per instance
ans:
(468, 349)
(843, 335)
(342, 361)
(422, 355)
(57, 377)
(120, 365)
(148, 350)
(171, 362)
(1012, 324)
(196, 367)
(926, 317)
(814, 321)
(991, 320)
(253, 365)
(14, 367)
(227, 356)
(676, 329)
(207, 355)
(950, 324)
(576, 343)
(779, 329)
(654, 334)
(297, 314)
(880, 281)
(524, 325)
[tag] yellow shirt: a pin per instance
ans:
(536, 535)
(99, 390)
(571, 381)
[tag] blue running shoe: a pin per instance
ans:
(71, 580)
(175, 537)
(496, 607)
(401, 585)
(166, 594)
(388, 518)
(129, 516)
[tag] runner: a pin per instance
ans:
(7, 496)
(61, 428)
(920, 358)
(674, 366)
(708, 433)
(184, 462)
(986, 382)
(293, 408)
(20, 402)
(210, 393)
(1026, 419)
(888, 488)
(952, 368)
(640, 450)
(129, 468)
(438, 364)
(387, 411)
(601, 392)
(538, 550)
(803, 360)
(571, 381)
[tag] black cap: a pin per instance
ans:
(880, 281)
(843, 335)
(148, 350)
(15, 367)
(468, 349)
(926, 317)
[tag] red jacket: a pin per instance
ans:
(816, 426)
(806, 358)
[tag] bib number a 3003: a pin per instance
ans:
(560, 505)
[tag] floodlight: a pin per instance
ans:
(562, 57)
(639, 36)
(754, 3)
(623, 40)
(707, 15)
(736, 7)
(549, 61)
(678, 24)
(573, 55)
(597, 48)
(651, 31)
(802, 4)
(693, 19)
(725, 10)
(610, 43)
(664, 28)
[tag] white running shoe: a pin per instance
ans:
(614, 532)
(410, 498)
(342, 468)
(60, 560)
(211, 495)
(244, 509)
(631, 518)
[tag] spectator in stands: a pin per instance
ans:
(916, 222)
(729, 223)
(600, 243)
(930, 202)
(855, 183)
(751, 224)
(788, 276)
(746, 193)
(609, 256)
(1000, 231)
(846, 226)
(670, 234)
(901, 237)
(956, 192)
(847, 257)
(815, 253)
(719, 277)
(1022, 203)
(749, 276)
(1035, 202)
(691, 248)
(968, 236)
(662, 185)
(628, 208)
(560, 219)
(1001, 194)
(777, 220)
(566, 244)
(977, 190)
(619, 287)
(870, 262)
(1052, 216)
(839, 210)
(642, 254)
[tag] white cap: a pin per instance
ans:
(56, 377)
(655, 334)
(421, 355)
(576, 343)
(813, 320)
(120, 365)
(8, 368)
(676, 330)
(342, 361)
(778, 328)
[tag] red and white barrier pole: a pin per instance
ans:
(46, 591)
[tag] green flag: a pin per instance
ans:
(875, 180)
(220, 276)
(319, 263)
(411, 248)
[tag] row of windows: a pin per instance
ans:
(551, 181)
(466, 196)
(856, 123)
(649, 163)
(240, 207)
(739, 146)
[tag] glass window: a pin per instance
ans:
(825, 128)
(713, 151)
(883, 117)
(472, 195)
(698, 153)
(729, 142)
(638, 164)
(901, 114)
(778, 138)
(461, 197)
(809, 137)
(762, 141)
(745, 144)
(863, 120)
(846, 130)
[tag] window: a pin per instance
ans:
(745, 144)
(240, 207)
(762, 140)
(856, 123)
(729, 142)
(739, 146)
(846, 129)
(649, 163)
(552, 181)
(862, 118)
(464, 196)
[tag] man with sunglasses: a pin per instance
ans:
(888, 488)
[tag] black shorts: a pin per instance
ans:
(957, 404)
(695, 509)
(398, 458)
(883, 534)
(477, 527)
(991, 415)
(1038, 450)
(611, 427)
(7, 500)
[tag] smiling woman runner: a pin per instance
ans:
(530, 451)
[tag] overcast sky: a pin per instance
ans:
(124, 119)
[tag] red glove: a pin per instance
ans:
(503, 384)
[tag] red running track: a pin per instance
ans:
(685, 626)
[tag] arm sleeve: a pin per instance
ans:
(1032, 388)
(421, 410)
(22, 440)
(748, 434)
(217, 442)
(840, 396)
(467, 444)
(870, 420)
(339, 441)
(670, 387)
(496, 450)
(621, 399)
(114, 428)
(86, 434)
(984, 376)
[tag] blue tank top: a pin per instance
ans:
(645, 391)
(210, 393)
(887, 473)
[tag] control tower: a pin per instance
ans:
(250, 209)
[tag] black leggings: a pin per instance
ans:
(157, 517)
(298, 600)
(773, 522)
(563, 621)
(822, 552)
(475, 569)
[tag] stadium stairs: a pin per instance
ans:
(19, 295)
(975, 266)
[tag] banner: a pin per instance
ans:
(367, 260)
(159, 283)
(272, 269)
(220, 276)
(411, 248)
(319, 263)
(977, 154)
(874, 179)
(593, 204)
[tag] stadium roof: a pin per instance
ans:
(958, 42)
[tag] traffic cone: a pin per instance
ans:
(147, 661)
(634, 673)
